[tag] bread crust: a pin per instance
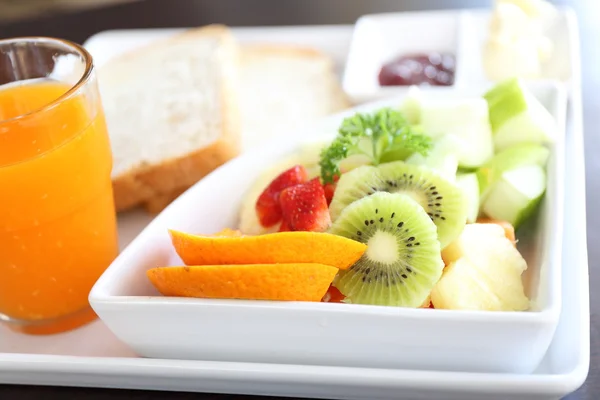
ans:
(159, 202)
(145, 182)
(249, 51)
(258, 50)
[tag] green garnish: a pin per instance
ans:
(378, 136)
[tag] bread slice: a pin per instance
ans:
(159, 202)
(172, 112)
(281, 86)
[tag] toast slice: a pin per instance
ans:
(281, 86)
(285, 86)
(172, 111)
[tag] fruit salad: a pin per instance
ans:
(416, 206)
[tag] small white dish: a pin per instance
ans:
(378, 38)
(322, 333)
(474, 31)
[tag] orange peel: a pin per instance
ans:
(273, 248)
(282, 282)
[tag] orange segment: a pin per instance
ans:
(273, 248)
(228, 232)
(284, 282)
(509, 230)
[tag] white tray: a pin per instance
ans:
(92, 356)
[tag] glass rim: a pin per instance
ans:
(85, 76)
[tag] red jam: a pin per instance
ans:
(435, 69)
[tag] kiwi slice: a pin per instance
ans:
(403, 259)
(442, 200)
(353, 185)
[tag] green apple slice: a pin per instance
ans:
(442, 157)
(467, 120)
(511, 158)
(517, 116)
(411, 106)
(514, 197)
(484, 273)
(469, 185)
(354, 161)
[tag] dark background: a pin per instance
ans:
(187, 13)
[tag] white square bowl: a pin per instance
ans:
(327, 333)
(379, 38)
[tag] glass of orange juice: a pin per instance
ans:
(57, 217)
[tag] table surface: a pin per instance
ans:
(185, 13)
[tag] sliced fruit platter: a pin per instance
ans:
(413, 206)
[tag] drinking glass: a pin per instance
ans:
(57, 217)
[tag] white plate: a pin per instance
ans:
(320, 333)
(378, 38)
(92, 356)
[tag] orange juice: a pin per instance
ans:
(57, 218)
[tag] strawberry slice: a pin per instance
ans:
(304, 207)
(333, 295)
(284, 227)
(329, 189)
(267, 205)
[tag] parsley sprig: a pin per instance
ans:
(382, 135)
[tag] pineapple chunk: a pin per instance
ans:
(483, 273)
